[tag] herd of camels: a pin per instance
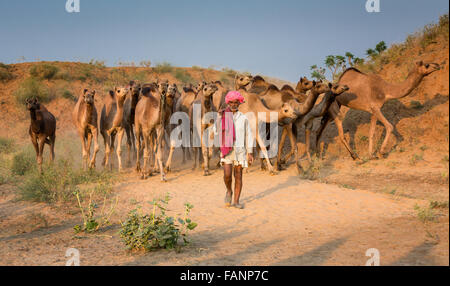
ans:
(142, 112)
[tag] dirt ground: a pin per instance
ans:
(286, 221)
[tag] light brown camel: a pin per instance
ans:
(111, 123)
(129, 108)
(84, 117)
(243, 82)
(369, 92)
(42, 129)
(149, 121)
(274, 98)
(318, 111)
(205, 100)
(252, 107)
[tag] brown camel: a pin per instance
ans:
(42, 129)
(84, 117)
(243, 82)
(129, 108)
(111, 123)
(274, 98)
(254, 106)
(318, 111)
(369, 92)
(205, 100)
(149, 121)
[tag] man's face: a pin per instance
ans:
(234, 105)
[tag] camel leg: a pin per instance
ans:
(280, 148)
(292, 141)
(129, 144)
(88, 144)
(112, 139)
(84, 158)
(373, 124)
(96, 147)
(308, 127)
(338, 122)
(326, 119)
(119, 147)
(52, 147)
(169, 158)
(41, 144)
(297, 156)
(34, 140)
(389, 129)
(146, 156)
(264, 151)
(205, 159)
(159, 152)
(138, 150)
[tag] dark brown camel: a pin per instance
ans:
(42, 129)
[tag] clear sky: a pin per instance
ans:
(276, 38)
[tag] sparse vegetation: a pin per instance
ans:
(415, 158)
(439, 205)
(164, 67)
(43, 71)
(6, 145)
(5, 72)
(156, 230)
(415, 104)
(146, 64)
(425, 213)
(183, 76)
(23, 162)
(32, 88)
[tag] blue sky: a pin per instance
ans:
(276, 38)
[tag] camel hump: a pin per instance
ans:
(350, 69)
(147, 88)
(272, 87)
(258, 78)
(287, 88)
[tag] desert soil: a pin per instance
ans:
(286, 221)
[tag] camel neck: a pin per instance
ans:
(89, 109)
(405, 88)
(33, 115)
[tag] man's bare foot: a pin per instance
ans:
(228, 199)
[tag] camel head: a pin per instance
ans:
(243, 80)
(135, 88)
(162, 87)
(426, 68)
(32, 104)
(320, 87)
(172, 91)
(121, 93)
(149, 88)
(337, 89)
(209, 89)
(303, 85)
(287, 113)
(88, 96)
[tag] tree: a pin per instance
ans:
(380, 47)
(335, 64)
(318, 73)
(350, 57)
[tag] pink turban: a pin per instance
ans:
(234, 95)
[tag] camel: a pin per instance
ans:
(84, 117)
(111, 123)
(252, 106)
(42, 129)
(205, 99)
(369, 92)
(243, 81)
(318, 111)
(274, 98)
(149, 119)
(129, 108)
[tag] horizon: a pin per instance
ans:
(260, 37)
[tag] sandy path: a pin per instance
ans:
(286, 221)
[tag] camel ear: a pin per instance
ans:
(419, 63)
(85, 90)
(330, 85)
(93, 92)
(314, 83)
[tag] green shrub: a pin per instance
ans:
(146, 64)
(6, 145)
(43, 71)
(32, 88)
(59, 182)
(425, 214)
(23, 162)
(5, 72)
(157, 230)
(164, 67)
(183, 76)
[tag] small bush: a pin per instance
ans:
(415, 158)
(438, 205)
(43, 71)
(416, 104)
(425, 214)
(183, 76)
(146, 64)
(22, 163)
(5, 72)
(164, 67)
(6, 145)
(58, 183)
(32, 88)
(157, 230)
